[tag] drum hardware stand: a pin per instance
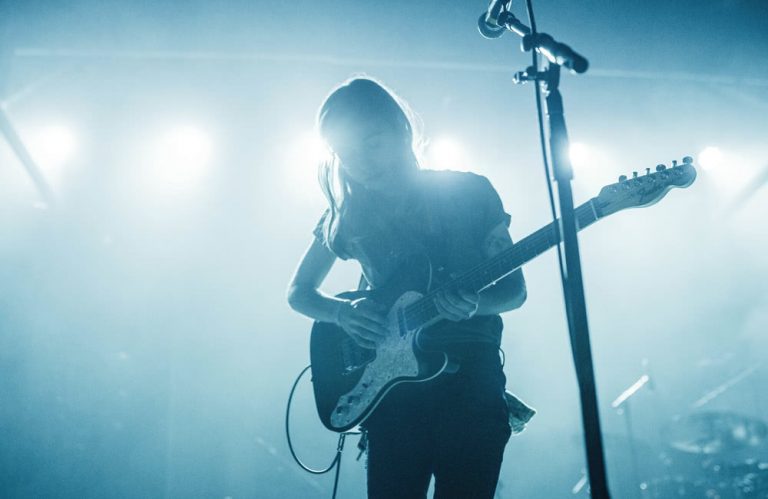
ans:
(622, 406)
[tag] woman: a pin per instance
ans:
(385, 211)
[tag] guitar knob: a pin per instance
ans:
(634, 174)
(661, 168)
(622, 178)
(647, 171)
(687, 160)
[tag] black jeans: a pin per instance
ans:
(454, 427)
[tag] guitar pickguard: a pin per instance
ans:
(395, 362)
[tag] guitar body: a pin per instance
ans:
(349, 381)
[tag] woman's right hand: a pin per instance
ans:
(364, 320)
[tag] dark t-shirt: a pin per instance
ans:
(446, 216)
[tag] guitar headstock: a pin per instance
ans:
(645, 190)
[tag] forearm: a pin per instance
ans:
(314, 304)
(507, 294)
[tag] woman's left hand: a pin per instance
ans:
(457, 304)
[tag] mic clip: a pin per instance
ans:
(530, 74)
(512, 23)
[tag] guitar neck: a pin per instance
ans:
(423, 311)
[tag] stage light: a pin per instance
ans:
(52, 147)
(728, 170)
(183, 155)
(445, 153)
(312, 150)
(711, 158)
(187, 144)
(302, 155)
(592, 167)
(582, 156)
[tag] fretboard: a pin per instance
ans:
(423, 311)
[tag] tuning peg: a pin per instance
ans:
(661, 168)
(622, 178)
(687, 160)
(634, 174)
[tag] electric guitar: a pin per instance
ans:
(349, 381)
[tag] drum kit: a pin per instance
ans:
(710, 454)
(721, 445)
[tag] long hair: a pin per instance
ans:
(355, 100)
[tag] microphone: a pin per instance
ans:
(488, 23)
(498, 19)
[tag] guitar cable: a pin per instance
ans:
(336, 463)
(543, 143)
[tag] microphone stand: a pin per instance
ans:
(548, 78)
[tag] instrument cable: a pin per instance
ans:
(336, 463)
(543, 142)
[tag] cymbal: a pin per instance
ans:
(714, 432)
(736, 468)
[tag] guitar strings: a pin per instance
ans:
(426, 302)
(585, 214)
(546, 235)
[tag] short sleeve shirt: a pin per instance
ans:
(447, 216)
